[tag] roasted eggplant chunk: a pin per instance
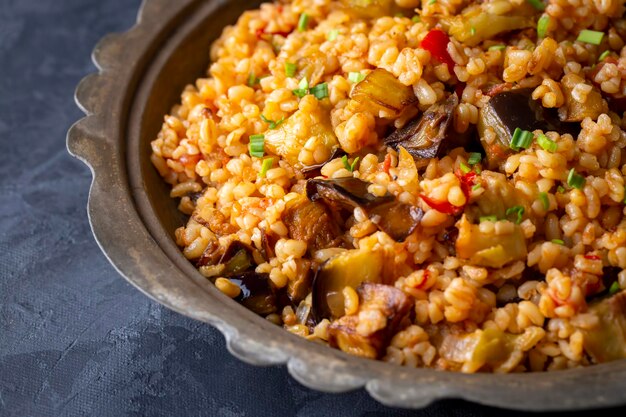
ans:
(350, 268)
(427, 135)
(607, 341)
(367, 340)
(508, 110)
(380, 92)
(396, 219)
(257, 292)
(310, 221)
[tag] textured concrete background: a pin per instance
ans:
(75, 338)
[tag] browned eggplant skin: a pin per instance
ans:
(390, 301)
(508, 110)
(425, 136)
(311, 222)
(396, 219)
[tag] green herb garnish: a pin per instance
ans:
(476, 187)
(332, 35)
(558, 242)
(290, 69)
(257, 146)
(542, 26)
(320, 91)
(350, 167)
(603, 55)
(488, 219)
(517, 210)
(303, 22)
(590, 36)
(560, 189)
(474, 158)
(464, 168)
(356, 77)
(614, 288)
(303, 88)
(267, 164)
(575, 180)
(497, 47)
(272, 124)
(252, 80)
(546, 143)
(521, 139)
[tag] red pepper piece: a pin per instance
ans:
(387, 164)
(436, 42)
(592, 257)
(444, 207)
(467, 182)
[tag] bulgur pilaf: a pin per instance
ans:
(434, 183)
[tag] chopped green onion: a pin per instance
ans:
(574, 180)
(537, 4)
(544, 200)
(542, 26)
(521, 139)
(356, 77)
(518, 210)
(476, 187)
(303, 88)
(590, 36)
(272, 124)
(624, 195)
(267, 164)
(474, 158)
(332, 35)
(488, 219)
(560, 189)
(431, 2)
(472, 30)
(464, 168)
(558, 242)
(320, 91)
(252, 80)
(546, 143)
(290, 69)
(614, 288)
(257, 146)
(497, 47)
(347, 165)
(416, 19)
(303, 22)
(604, 55)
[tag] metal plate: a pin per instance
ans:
(142, 73)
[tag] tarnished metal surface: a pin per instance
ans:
(141, 75)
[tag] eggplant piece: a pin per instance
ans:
(574, 111)
(508, 110)
(396, 219)
(425, 136)
(487, 249)
(380, 91)
(311, 222)
(290, 137)
(394, 305)
(257, 293)
(489, 346)
(349, 268)
(211, 255)
(300, 286)
(474, 26)
(237, 258)
(607, 341)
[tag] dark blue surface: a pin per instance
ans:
(75, 338)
